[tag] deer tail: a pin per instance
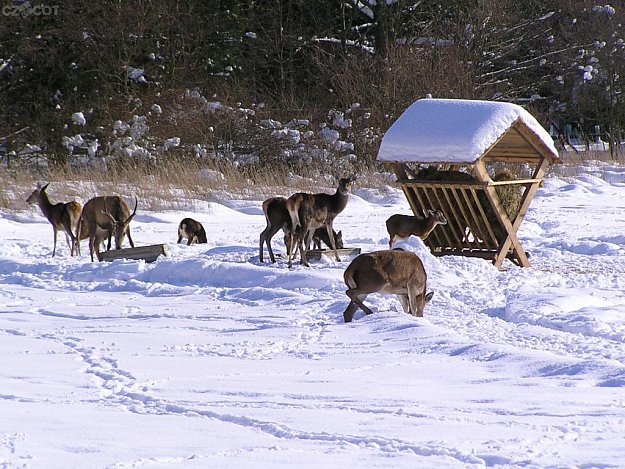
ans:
(292, 205)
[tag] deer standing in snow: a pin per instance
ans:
(192, 230)
(278, 218)
(63, 216)
(106, 216)
(394, 272)
(402, 226)
(311, 211)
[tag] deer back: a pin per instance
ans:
(193, 229)
(386, 271)
(108, 213)
(276, 213)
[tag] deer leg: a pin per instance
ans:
(301, 245)
(287, 241)
(265, 237)
(348, 314)
(91, 246)
(332, 241)
(69, 238)
(260, 247)
(132, 244)
(304, 245)
(260, 244)
(405, 304)
(358, 297)
(294, 248)
(54, 230)
(417, 300)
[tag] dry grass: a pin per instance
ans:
(574, 162)
(179, 185)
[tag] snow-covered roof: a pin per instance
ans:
(454, 131)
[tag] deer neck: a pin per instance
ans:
(339, 200)
(430, 224)
(44, 204)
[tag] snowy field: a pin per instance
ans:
(210, 359)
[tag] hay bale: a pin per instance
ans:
(509, 197)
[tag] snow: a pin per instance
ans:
(208, 358)
(453, 130)
(79, 118)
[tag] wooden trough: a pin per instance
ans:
(146, 253)
(460, 141)
(343, 252)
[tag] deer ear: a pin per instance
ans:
(429, 296)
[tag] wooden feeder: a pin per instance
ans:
(441, 151)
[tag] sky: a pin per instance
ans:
(208, 358)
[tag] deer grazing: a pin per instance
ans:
(402, 226)
(192, 230)
(321, 234)
(62, 216)
(394, 272)
(278, 218)
(311, 211)
(104, 216)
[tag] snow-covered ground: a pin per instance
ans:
(209, 359)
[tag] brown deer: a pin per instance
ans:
(402, 226)
(99, 237)
(394, 272)
(192, 230)
(278, 218)
(108, 214)
(311, 211)
(321, 234)
(62, 216)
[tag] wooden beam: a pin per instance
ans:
(535, 142)
(516, 181)
(146, 253)
(317, 253)
(500, 213)
(433, 184)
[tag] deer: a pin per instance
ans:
(321, 234)
(311, 211)
(106, 216)
(99, 236)
(63, 216)
(403, 226)
(278, 218)
(396, 272)
(192, 230)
